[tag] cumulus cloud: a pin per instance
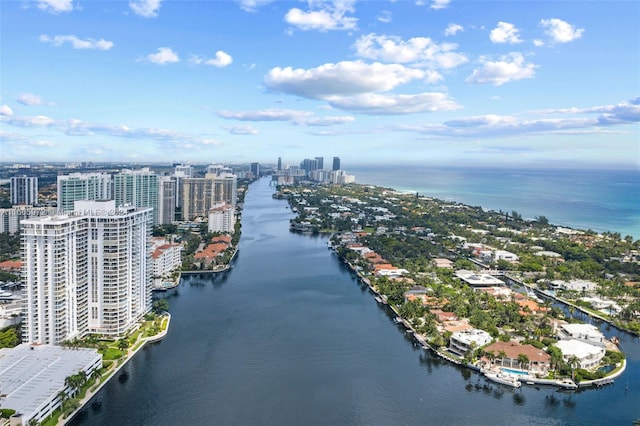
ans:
(343, 78)
(243, 129)
(414, 50)
(29, 99)
(221, 60)
(560, 31)
(439, 4)
(505, 33)
(571, 121)
(76, 42)
(538, 43)
(453, 29)
(6, 110)
(508, 68)
(55, 6)
(324, 16)
(164, 56)
(145, 8)
(389, 104)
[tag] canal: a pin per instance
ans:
(289, 337)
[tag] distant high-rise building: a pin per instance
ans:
(24, 190)
(309, 164)
(183, 170)
(319, 163)
(138, 188)
(197, 197)
(255, 169)
(86, 272)
(336, 163)
(83, 186)
(167, 199)
(279, 163)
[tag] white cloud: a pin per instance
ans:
(561, 31)
(164, 56)
(55, 6)
(29, 99)
(270, 114)
(221, 60)
(492, 125)
(76, 42)
(505, 33)
(145, 8)
(385, 17)
(415, 50)
(327, 16)
(252, 5)
(297, 117)
(35, 121)
(453, 29)
(508, 68)
(538, 43)
(327, 121)
(6, 110)
(43, 143)
(342, 79)
(439, 4)
(383, 104)
(243, 129)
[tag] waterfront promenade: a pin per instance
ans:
(119, 364)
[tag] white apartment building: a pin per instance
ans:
(166, 257)
(86, 272)
(222, 218)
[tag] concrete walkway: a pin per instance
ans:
(138, 345)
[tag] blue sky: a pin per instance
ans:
(479, 83)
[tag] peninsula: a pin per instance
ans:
(484, 289)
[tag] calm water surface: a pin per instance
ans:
(289, 337)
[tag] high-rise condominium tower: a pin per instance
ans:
(24, 190)
(86, 272)
(83, 186)
(138, 188)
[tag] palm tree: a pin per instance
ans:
(573, 362)
(123, 344)
(502, 355)
(523, 359)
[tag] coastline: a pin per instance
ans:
(561, 383)
(93, 391)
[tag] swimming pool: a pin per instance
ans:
(518, 372)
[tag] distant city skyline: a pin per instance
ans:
(434, 82)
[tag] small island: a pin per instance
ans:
(484, 289)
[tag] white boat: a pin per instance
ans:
(378, 299)
(567, 384)
(504, 379)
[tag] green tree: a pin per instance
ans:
(160, 305)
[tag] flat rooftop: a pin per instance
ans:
(31, 374)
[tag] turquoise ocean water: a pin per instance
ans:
(601, 200)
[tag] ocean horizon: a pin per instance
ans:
(599, 200)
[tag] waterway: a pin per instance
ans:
(289, 337)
